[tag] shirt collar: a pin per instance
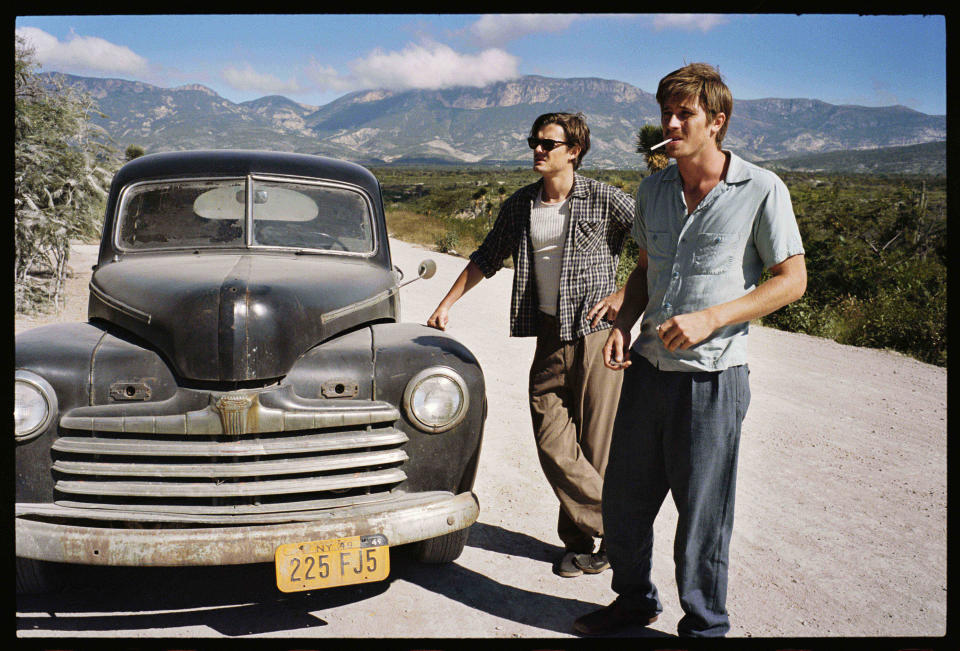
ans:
(737, 171)
(579, 186)
(579, 189)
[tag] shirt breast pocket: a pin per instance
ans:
(714, 253)
(589, 235)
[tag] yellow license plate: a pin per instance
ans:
(331, 563)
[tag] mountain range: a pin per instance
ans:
(478, 126)
(928, 158)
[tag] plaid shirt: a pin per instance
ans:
(600, 219)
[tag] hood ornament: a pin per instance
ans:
(233, 409)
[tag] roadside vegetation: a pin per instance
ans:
(876, 246)
(62, 170)
(876, 262)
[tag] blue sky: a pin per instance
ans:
(315, 58)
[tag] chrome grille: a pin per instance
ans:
(136, 464)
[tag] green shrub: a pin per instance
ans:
(628, 260)
(876, 264)
(448, 242)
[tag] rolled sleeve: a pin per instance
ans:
(501, 242)
(622, 209)
(486, 267)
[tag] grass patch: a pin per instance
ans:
(413, 227)
(442, 234)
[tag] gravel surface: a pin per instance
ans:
(840, 512)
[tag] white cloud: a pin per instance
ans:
(82, 54)
(434, 66)
(497, 29)
(689, 22)
(247, 78)
(428, 66)
(327, 78)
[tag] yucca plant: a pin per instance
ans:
(648, 136)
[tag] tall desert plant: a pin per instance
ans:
(62, 167)
(648, 136)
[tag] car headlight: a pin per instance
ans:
(34, 405)
(436, 399)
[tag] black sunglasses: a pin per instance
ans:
(546, 143)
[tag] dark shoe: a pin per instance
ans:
(592, 563)
(611, 619)
(566, 566)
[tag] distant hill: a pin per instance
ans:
(477, 126)
(927, 158)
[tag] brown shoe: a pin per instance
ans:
(611, 619)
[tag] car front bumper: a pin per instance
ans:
(51, 533)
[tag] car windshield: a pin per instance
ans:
(212, 213)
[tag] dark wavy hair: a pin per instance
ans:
(575, 130)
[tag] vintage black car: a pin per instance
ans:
(244, 390)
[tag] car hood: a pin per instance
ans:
(240, 316)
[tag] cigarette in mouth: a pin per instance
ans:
(661, 144)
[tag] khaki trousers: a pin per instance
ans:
(573, 403)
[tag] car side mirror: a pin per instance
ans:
(426, 270)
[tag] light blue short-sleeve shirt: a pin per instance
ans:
(713, 255)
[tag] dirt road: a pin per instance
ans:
(840, 513)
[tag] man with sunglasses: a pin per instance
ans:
(565, 233)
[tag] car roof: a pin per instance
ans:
(237, 163)
(240, 162)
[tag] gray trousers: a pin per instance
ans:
(573, 402)
(676, 432)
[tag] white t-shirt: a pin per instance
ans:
(548, 229)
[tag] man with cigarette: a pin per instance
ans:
(706, 227)
(565, 233)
